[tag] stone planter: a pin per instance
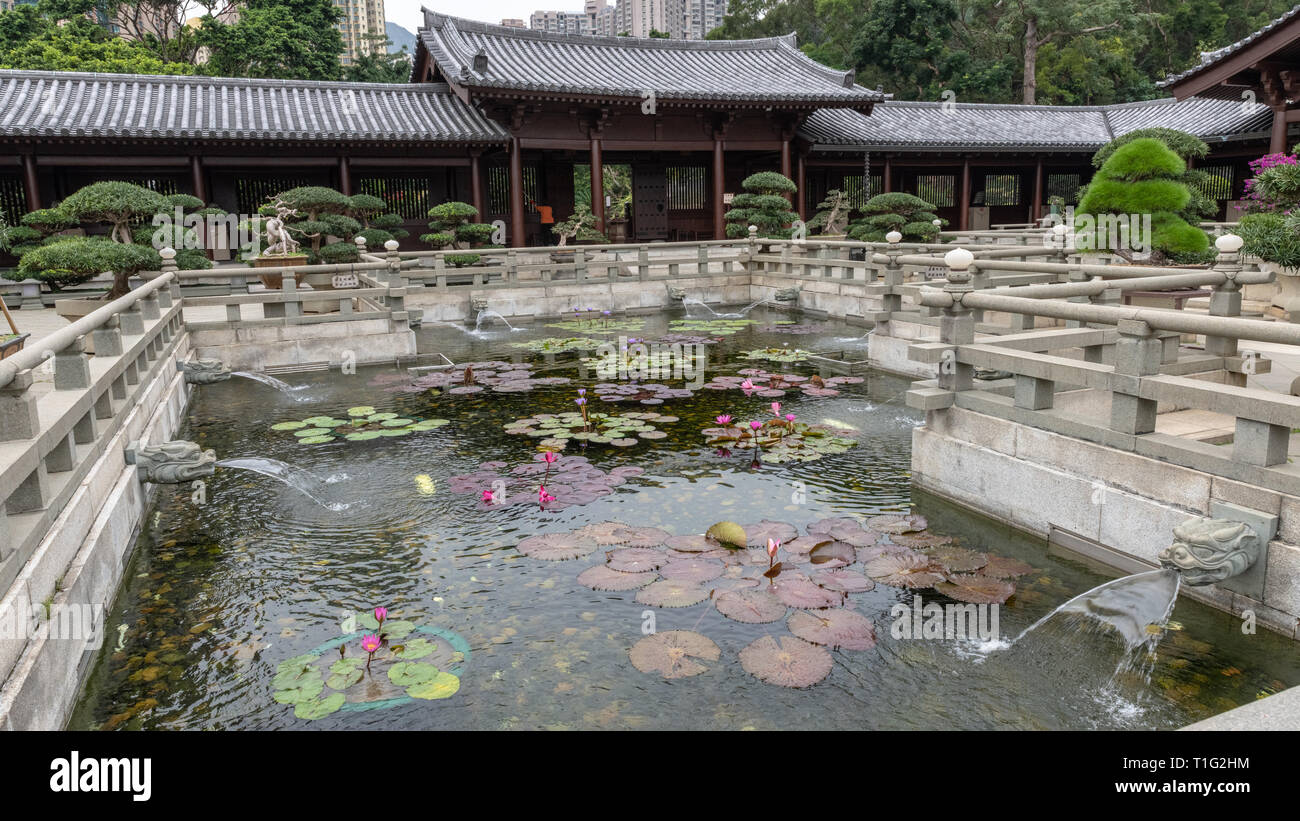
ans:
(276, 281)
(616, 230)
(1283, 294)
(12, 345)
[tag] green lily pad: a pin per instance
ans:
(406, 673)
(305, 688)
(345, 677)
(396, 629)
(415, 649)
(442, 685)
(288, 425)
(319, 708)
(316, 440)
(361, 410)
(363, 435)
(380, 417)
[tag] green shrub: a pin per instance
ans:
(1273, 237)
(120, 204)
(1187, 146)
(74, 260)
(1143, 176)
(762, 206)
(832, 215)
(452, 228)
(335, 252)
(909, 215)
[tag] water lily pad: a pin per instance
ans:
(360, 410)
(1004, 567)
(674, 653)
(799, 591)
(414, 649)
(834, 629)
(319, 708)
(396, 628)
(752, 606)
(440, 685)
(898, 523)
(920, 540)
(758, 534)
(833, 554)
(406, 673)
(786, 662)
(728, 533)
(636, 559)
(316, 440)
(557, 546)
(601, 577)
(289, 426)
(908, 570)
(844, 581)
(692, 570)
(955, 559)
(976, 588)
(672, 593)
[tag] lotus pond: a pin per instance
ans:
(599, 602)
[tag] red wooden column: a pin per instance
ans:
(887, 184)
(516, 194)
(476, 184)
(1277, 137)
(963, 222)
(1038, 191)
(196, 178)
(597, 184)
(800, 180)
(31, 184)
(785, 157)
(719, 190)
(345, 176)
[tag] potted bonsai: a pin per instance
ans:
(452, 228)
(832, 217)
(280, 248)
(579, 227)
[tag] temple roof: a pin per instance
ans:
(764, 71)
(921, 126)
(1210, 58)
(50, 104)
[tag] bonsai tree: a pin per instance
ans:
(36, 228)
(132, 243)
(320, 212)
(376, 226)
(580, 226)
(762, 205)
(1189, 147)
(909, 215)
(77, 259)
(1144, 177)
(832, 215)
(452, 228)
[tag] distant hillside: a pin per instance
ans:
(400, 37)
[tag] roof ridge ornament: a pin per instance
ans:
(481, 61)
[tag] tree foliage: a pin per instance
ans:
(763, 205)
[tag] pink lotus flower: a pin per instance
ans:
(724, 419)
(755, 425)
(370, 644)
(543, 497)
(580, 401)
(772, 545)
(381, 613)
(789, 417)
(747, 386)
(549, 456)
(776, 408)
(488, 498)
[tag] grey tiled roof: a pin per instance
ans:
(1209, 58)
(65, 104)
(758, 71)
(946, 126)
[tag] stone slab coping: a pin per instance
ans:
(1277, 712)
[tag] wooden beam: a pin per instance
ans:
(476, 185)
(345, 177)
(888, 181)
(963, 222)
(1037, 206)
(1277, 135)
(800, 182)
(31, 183)
(197, 180)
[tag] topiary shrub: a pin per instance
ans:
(763, 206)
(122, 205)
(452, 228)
(1142, 177)
(909, 215)
(1200, 206)
(321, 212)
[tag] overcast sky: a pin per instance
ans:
(406, 13)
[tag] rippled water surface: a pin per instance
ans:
(227, 585)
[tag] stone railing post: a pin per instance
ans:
(72, 367)
(107, 338)
(1060, 242)
(1137, 354)
(18, 416)
(892, 301)
(394, 261)
(956, 324)
(1226, 300)
(752, 239)
(702, 260)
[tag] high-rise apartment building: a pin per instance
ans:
(513, 23)
(680, 19)
(361, 19)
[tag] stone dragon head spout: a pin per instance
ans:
(1208, 551)
(171, 463)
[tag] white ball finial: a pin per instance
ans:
(958, 259)
(893, 237)
(753, 229)
(1059, 229)
(360, 241)
(167, 253)
(1229, 243)
(391, 245)
(938, 223)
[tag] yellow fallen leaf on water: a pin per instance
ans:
(425, 484)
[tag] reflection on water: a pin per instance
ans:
(219, 594)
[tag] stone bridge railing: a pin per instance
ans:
(1130, 361)
(52, 432)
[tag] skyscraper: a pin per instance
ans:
(361, 18)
